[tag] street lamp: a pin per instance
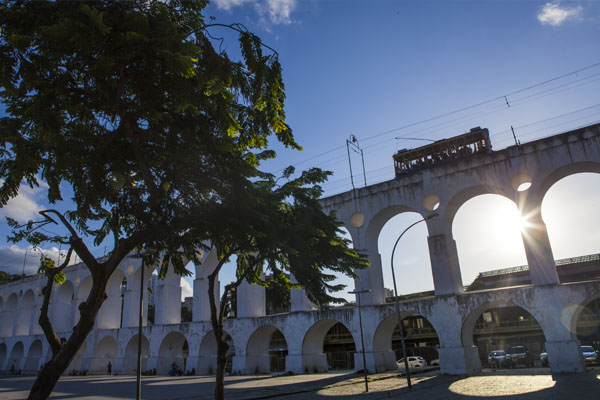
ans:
(362, 342)
(138, 389)
(406, 369)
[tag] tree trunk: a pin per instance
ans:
(52, 371)
(220, 376)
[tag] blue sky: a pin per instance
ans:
(378, 69)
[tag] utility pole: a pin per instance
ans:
(362, 341)
(514, 136)
(24, 260)
(353, 141)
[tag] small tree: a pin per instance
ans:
(280, 229)
(128, 106)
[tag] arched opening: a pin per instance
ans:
(327, 345)
(33, 357)
(505, 328)
(62, 308)
(571, 212)
(266, 351)
(109, 316)
(16, 357)
(82, 293)
(587, 327)
(173, 353)
(420, 338)
(25, 314)
(106, 352)
(131, 351)
(10, 313)
(207, 360)
(77, 363)
(2, 354)
(339, 347)
(412, 264)
(487, 230)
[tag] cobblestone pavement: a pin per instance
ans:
(501, 384)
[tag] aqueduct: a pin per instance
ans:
(451, 311)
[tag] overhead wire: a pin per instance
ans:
(501, 97)
(343, 182)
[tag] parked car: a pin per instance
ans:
(544, 357)
(413, 362)
(518, 355)
(590, 356)
(496, 358)
(435, 362)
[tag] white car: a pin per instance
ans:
(435, 362)
(413, 362)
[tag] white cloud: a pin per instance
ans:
(25, 206)
(554, 14)
(186, 289)
(228, 4)
(13, 257)
(277, 11)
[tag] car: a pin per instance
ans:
(518, 355)
(590, 355)
(544, 357)
(496, 358)
(413, 362)
(435, 362)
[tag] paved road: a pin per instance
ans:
(503, 384)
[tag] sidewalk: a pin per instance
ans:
(502, 384)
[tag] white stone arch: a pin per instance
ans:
(34, 356)
(580, 220)
(464, 245)
(207, 360)
(385, 357)
(412, 257)
(109, 316)
(474, 314)
(83, 290)
(547, 181)
(105, 352)
(9, 315)
(470, 320)
(25, 315)
(2, 354)
(458, 199)
(378, 221)
(313, 357)
(172, 350)
(257, 349)
(131, 354)
(578, 310)
(63, 307)
(77, 362)
(16, 356)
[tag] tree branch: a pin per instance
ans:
(240, 28)
(44, 320)
(62, 218)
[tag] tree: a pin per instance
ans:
(129, 106)
(159, 137)
(279, 229)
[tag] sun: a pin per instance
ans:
(506, 221)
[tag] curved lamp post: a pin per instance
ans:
(406, 369)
